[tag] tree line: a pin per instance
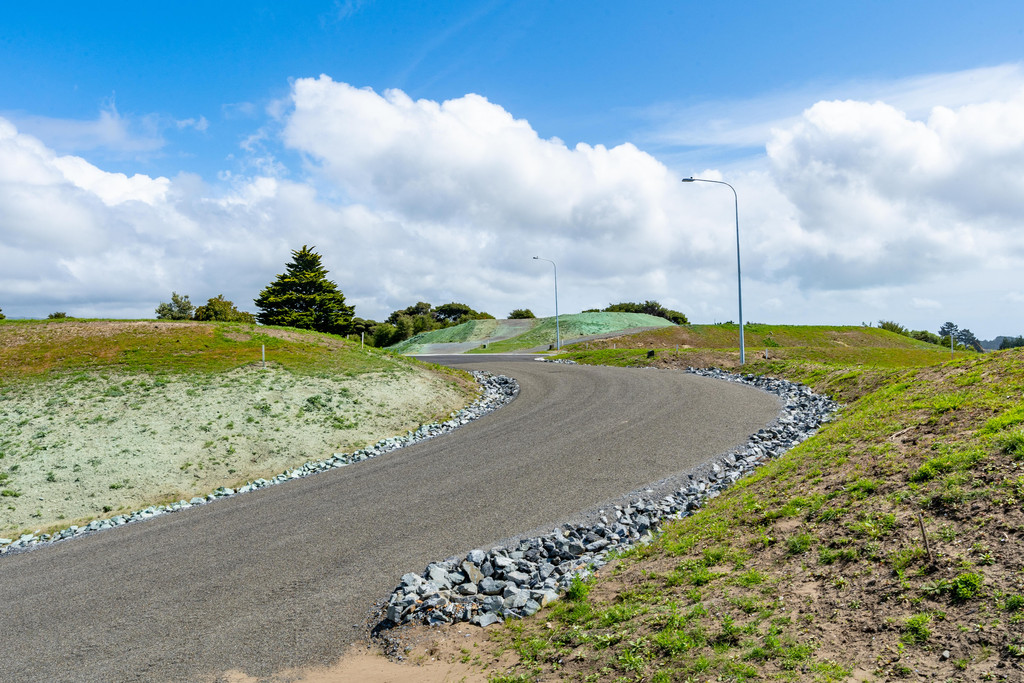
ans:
(949, 334)
(303, 297)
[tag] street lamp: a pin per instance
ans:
(558, 336)
(739, 282)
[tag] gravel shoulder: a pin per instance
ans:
(94, 444)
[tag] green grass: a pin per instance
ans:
(830, 533)
(34, 349)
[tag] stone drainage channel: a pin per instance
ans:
(486, 587)
(496, 391)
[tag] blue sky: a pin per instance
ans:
(219, 105)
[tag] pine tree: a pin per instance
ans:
(180, 308)
(303, 297)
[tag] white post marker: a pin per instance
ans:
(263, 353)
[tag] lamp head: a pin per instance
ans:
(536, 257)
(688, 180)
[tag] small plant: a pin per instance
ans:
(966, 586)
(1014, 603)
(799, 544)
(578, 589)
(915, 629)
(51, 477)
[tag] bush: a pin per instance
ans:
(926, 336)
(650, 308)
(57, 315)
(892, 326)
(219, 308)
(521, 314)
(180, 308)
(2, 316)
(966, 586)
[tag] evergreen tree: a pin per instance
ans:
(180, 308)
(303, 297)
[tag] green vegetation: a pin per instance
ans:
(649, 308)
(887, 537)
(35, 349)
(500, 336)
(179, 308)
(304, 298)
(423, 317)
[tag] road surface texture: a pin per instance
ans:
(281, 577)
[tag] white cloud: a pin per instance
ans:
(861, 210)
(200, 124)
(882, 198)
(110, 131)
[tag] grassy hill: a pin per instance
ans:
(886, 547)
(718, 345)
(502, 336)
(99, 417)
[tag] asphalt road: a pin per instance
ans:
(281, 577)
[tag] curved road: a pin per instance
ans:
(281, 577)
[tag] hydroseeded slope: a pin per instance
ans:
(502, 336)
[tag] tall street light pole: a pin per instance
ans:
(558, 336)
(739, 281)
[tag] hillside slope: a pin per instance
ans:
(501, 336)
(99, 417)
(885, 547)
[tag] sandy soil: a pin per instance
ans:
(91, 445)
(457, 653)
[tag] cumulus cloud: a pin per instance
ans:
(473, 185)
(860, 210)
(882, 198)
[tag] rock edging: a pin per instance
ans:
(496, 391)
(486, 587)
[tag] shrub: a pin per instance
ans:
(219, 308)
(650, 308)
(966, 586)
(916, 630)
(56, 315)
(521, 314)
(892, 326)
(180, 308)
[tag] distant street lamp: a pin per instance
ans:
(558, 336)
(739, 282)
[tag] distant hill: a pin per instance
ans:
(537, 334)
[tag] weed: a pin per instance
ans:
(1014, 603)
(915, 629)
(799, 544)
